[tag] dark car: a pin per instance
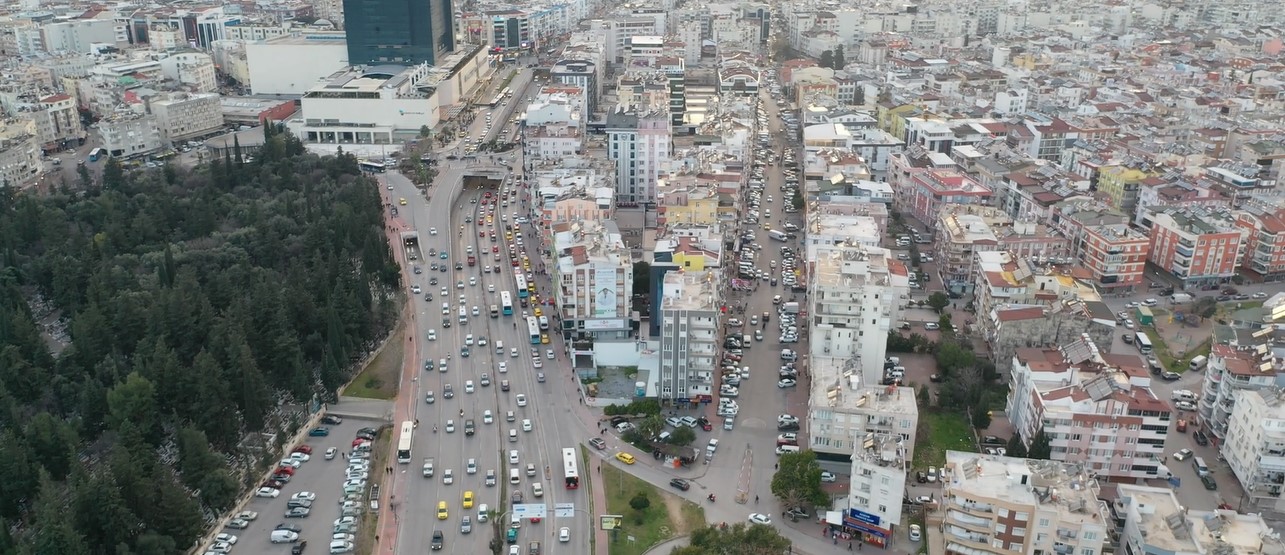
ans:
(798, 512)
(298, 512)
(1209, 482)
(704, 424)
(1171, 376)
(994, 440)
(1201, 438)
(319, 432)
(438, 540)
(291, 527)
(332, 420)
(787, 427)
(921, 477)
(299, 547)
(680, 484)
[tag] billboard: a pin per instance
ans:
(604, 293)
(610, 522)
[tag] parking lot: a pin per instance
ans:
(317, 475)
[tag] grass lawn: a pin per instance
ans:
(378, 380)
(667, 516)
(941, 431)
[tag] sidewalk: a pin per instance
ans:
(388, 522)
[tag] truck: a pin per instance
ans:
(777, 234)
(1181, 298)
(472, 260)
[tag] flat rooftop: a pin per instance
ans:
(1051, 485)
(836, 384)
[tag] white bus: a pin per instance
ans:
(404, 442)
(533, 326)
(569, 468)
(506, 303)
(1143, 342)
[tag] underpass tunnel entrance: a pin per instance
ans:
(410, 242)
(486, 182)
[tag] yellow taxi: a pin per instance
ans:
(544, 338)
(468, 499)
(538, 312)
(441, 511)
(402, 201)
(622, 457)
(767, 226)
(508, 235)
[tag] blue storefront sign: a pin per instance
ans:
(866, 523)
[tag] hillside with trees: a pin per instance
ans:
(153, 323)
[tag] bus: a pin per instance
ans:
(404, 442)
(533, 327)
(97, 153)
(494, 101)
(506, 303)
(569, 468)
(1143, 342)
(371, 167)
(522, 287)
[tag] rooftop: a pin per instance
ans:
(1169, 526)
(686, 290)
(836, 385)
(1049, 485)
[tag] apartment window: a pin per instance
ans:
(1024, 517)
(1090, 536)
(1000, 528)
(1044, 523)
(1019, 532)
(1086, 551)
(1003, 513)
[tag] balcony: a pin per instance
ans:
(969, 536)
(965, 519)
(972, 507)
(1183, 250)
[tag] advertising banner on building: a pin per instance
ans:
(604, 293)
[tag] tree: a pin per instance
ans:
(640, 502)
(797, 481)
(1205, 307)
(827, 59)
(938, 301)
(923, 397)
(86, 182)
(737, 539)
(134, 401)
(1040, 447)
(839, 62)
(113, 174)
(651, 426)
(981, 417)
(961, 390)
(642, 278)
(797, 200)
(1015, 447)
(953, 355)
(682, 435)
(425, 132)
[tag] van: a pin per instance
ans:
(515, 476)
(783, 449)
(284, 536)
(1201, 468)
(1198, 362)
(1184, 395)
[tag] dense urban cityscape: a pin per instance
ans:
(1020, 267)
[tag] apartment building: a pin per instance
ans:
(843, 410)
(854, 297)
(183, 116)
(963, 232)
(1255, 447)
(127, 134)
(1265, 242)
(1096, 409)
(555, 122)
(1152, 520)
(593, 273)
(58, 122)
(1230, 371)
(1198, 247)
(880, 464)
(19, 154)
(997, 505)
(639, 144)
(689, 336)
(1114, 255)
(927, 192)
(567, 195)
(688, 200)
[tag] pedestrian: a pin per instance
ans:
(859, 546)
(836, 541)
(849, 546)
(599, 469)
(776, 466)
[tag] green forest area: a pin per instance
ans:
(152, 323)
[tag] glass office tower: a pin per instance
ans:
(401, 32)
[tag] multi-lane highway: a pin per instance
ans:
(465, 218)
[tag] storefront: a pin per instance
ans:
(857, 525)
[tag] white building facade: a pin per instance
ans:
(688, 336)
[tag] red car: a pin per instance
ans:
(285, 470)
(494, 248)
(303, 449)
(481, 233)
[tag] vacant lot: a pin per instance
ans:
(378, 380)
(665, 516)
(939, 432)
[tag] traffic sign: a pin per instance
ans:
(531, 510)
(564, 510)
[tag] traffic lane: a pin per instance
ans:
(322, 477)
(1191, 491)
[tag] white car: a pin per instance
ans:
(503, 367)
(827, 476)
(226, 538)
(267, 492)
(526, 424)
(471, 466)
(548, 353)
(448, 476)
(564, 534)
(760, 518)
(304, 495)
(468, 386)
(786, 383)
(292, 463)
(302, 457)
(521, 400)
(487, 417)
(432, 231)
(513, 456)
(490, 288)
(538, 363)
(472, 280)
(246, 515)
(468, 339)
(432, 335)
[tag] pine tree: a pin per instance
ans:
(839, 61)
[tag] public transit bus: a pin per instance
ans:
(533, 327)
(404, 442)
(506, 303)
(522, 286)
(97, 153)
(371, 167)
(1143, 343)
(569, 468)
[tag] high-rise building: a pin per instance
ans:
(401, 32)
